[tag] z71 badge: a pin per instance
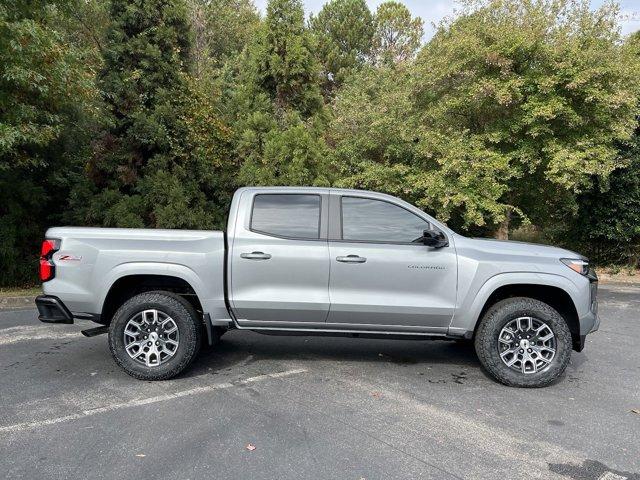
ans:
(69, 258)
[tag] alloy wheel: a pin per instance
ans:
(151, 337)
(527, 345)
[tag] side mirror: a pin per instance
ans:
(434, 238)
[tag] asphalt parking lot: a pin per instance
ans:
(316, 408)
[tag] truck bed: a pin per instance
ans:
(92, 260)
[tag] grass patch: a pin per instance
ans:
(20, 291)
(615, 274)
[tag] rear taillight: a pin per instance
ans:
(47, 267)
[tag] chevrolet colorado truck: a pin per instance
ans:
(321, 261)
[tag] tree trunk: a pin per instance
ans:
(502, 232)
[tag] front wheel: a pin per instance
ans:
(154, 335)
(523, 342)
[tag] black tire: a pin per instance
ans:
(487, 345)
(189, 328)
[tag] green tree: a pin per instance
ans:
(40, 75)
(397, 35)
(159, 160)
(276, 104)
(380, 144)
(530, 96)
(343, 31)
(373, 132)
(282, 60)
(288, 152)
(606, 225)
(47, 98)
(512, 109)
(221, 29)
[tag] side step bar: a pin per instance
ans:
(92, 332)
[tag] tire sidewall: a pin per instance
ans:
(500, 315)
(189, 335)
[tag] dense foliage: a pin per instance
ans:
(344, 32)
(47, 98)
(604, 222)
(507, 103)
(149, 113)
(157, 162)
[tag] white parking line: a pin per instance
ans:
(18, 427)
(34, 332)
(611, 476)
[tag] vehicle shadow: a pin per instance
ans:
(245, 348)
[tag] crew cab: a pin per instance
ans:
(320, 261)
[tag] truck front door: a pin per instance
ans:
(279, 258)
(381, 272)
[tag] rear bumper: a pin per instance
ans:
(52, 310)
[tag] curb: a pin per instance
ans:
(7, 303)
(620, 287)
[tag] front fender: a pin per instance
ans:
(470, 306)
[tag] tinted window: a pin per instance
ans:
(378, 221)
(287, 215)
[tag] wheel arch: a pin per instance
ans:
(127, 286)
(555, 297)
(555, 290)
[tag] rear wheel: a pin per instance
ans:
(523, 342)
(154, 335)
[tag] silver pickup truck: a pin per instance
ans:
(320, 261)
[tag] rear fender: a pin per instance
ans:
(155, 268)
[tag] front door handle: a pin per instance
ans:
(351, 259)
(255, 256)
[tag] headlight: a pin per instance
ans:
(577, 265)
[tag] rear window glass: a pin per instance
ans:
(287, 215)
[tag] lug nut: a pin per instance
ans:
(149, 344)
(529, 350)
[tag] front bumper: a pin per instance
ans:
(52, 310)
(590, 322)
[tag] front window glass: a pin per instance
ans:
(365, 219)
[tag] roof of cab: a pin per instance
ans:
(286, 189)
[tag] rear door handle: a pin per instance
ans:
(255, 256)
(351, 259)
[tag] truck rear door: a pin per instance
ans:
(279, 257)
